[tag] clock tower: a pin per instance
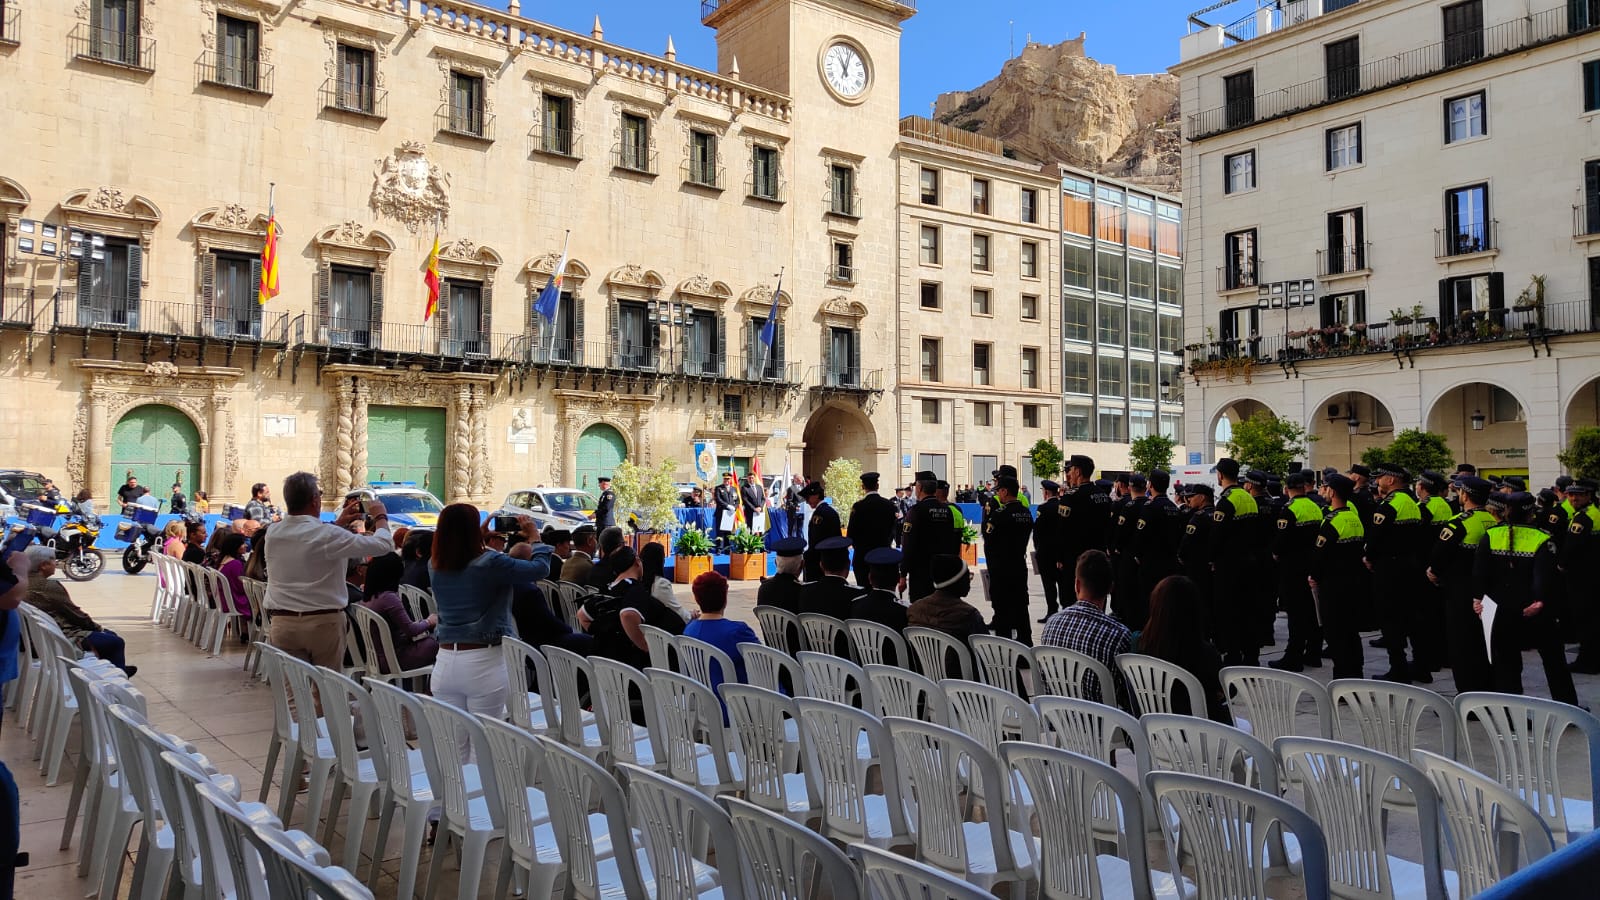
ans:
(838, 61)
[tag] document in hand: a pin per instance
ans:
(1489, 607)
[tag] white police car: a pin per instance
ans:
(406, 503)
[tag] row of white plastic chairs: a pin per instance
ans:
(40, 694)
(197, 603)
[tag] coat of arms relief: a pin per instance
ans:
(409, 188)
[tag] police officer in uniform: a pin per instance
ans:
(1392, 546)
(1263, 612)
(1194, 550)
(990, 500)
(929, 531)
(783, 589)
(1156, 536)
(872, 524)
(1450, 570)
(1005, 545)
(824, 524)
(1125, 525)
(1297, 524)
(880, 603)
(1578, 569)
(1234, 544)
(831, 593)
(1085, 513)
(605, 509)
(1335, 575)
(1515, 566)
(1046, 543)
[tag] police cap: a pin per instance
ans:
(925, 475)
(1294, 481)
(1517, 483)
(834, 543)
(1083, 464)
(943, 485)
(1563, 482)
(1006, 483)
(604, 479)
(1389, 468)
(1256, 476)
(812, 489)
(1138, 482)
(790, 546)
(1343, 485)
(1049, 485)
(884, 556)
(1435, 481)
(1205, 489)
(1472, 484)
(1228, 468)
(1581, 486)
(869, 480)
(1467, 468)
(1004, 472)
(556, 536)
(1359, 469)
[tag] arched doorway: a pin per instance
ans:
(157, 445)
(407, 443)
(1222, 426)
(600, 449)
(1345, 425)
(835, 432)
(1583, 410)
(1485, 425)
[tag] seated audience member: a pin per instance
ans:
(615, 615)
(946, 609)
(576, 567)
(1176, 633)
(652, 572)
(355, 579)
(414, 642)
(711, 595)
(1085, 626)
(537, 623)
(201, 503)
(414, 555)
(783, 589)
(213, 554)
(232, 568)
(833, 593)
(172, 538)
(560, 541)
(245, 526)
(51, 597)
(194, 543)
(400, 534)
(603, 573)
(256, 566)
(880, 604)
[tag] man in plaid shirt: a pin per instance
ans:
(1086, 627)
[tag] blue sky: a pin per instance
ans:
(947, 46)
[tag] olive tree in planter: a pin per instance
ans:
(748, 562)
(648, 499)
(841, 482)
(693, 556)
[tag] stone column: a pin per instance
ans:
(343, 453)
(215, 478)
(482, 471)
(97, 449)
(459, 480)
(360, 399)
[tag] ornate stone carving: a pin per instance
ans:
(161, 370)
(459, 249)
(358, 388)
(629, 414)
(201, 393)
(107, 198)
(233, 216)
(409, 188)
(628, 274)
(345, 436)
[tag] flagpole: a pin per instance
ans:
(566, 244)
(766, 349)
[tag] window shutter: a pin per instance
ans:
(778, 352)
(1327, 151)
(1224, 324)
(721, 350)
(613, 345)
(652, 333)
(375, 322)
(441, 315)
(576, 303)
(1591, 189)
(855, 355)
(827, 351)
(85, 290)
(1497, 290)
(486, 317)
(135, 273)
(752, 349)
(255, 295)
(1361, 306)
(533, 323)
(1446, 306)
(686, 344)
(324, 290)
(208, 291)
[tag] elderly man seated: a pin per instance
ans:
(80, 628)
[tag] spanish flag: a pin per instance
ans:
(269, 259)
(431, 279)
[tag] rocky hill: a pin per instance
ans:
(1052, 103)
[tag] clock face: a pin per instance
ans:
(845, 70)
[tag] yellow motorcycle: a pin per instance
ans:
(76, 555)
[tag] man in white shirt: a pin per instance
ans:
(306, 594)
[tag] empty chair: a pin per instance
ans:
(890, 876)
(157, 845)
(787, 860)
(933, 764)
(1212, 749)
(217, 873)
(686, 712)
(1265, 702)
(1152, 683)
(1489, 829)
(570, 676)
(1526, 735)
(780, 629)
(530, 845)
(877, 644)
(590, 818)
(831, 677)
(839, 743)
(661, 645)
(1389, 717)
(627, 737)
(825, 634)
(525, 701)
(771, 668)
(990, 713)
(1229, 830)
(1002, 662)
(363, 775)
(704, 662)
(284, 728)
(678, 825)
(902, 692)
(411, 795)
(256, 591)
(1344, 787)
(1098, 732)
(938, 655)
(257, 872)
(1073, 795)
(472, 810)
(765, 725)
(312, 747)
(291, 875)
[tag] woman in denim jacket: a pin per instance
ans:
(472, 592)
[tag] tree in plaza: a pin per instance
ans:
(1151, 452)
(841, 481)
(1414, 450)
(1582, 456)
(1269, 443)
(1046, 458)
(649, 495)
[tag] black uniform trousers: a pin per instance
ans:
(1339, 606)
(1394, 589)
(1237, 589)
(1463, 636)
(1294, 595)
(1514, 631)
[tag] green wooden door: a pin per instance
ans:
(407, 443)
(600, 449)
(157, 445)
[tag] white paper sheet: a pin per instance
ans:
(1489, 607)
(726, 521)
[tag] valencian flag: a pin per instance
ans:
(431, 279)
(269, 257)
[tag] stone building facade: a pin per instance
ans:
(146, 139)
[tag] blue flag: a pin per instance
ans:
(546, 303)
(769, 331)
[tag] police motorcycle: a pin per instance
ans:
(141, 534)
(73, 542)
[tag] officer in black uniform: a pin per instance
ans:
(783, 589)
(831, 593)
(1194, 550)
(989, 500)
(1450, 571)
(872, 524)
(1263, 611)
(1085, 513)
(1393, 544)
(1578, 569)
(1046, 543)
(1335, 579)
(605, 508)
(1156, 536)
(1515, 566)
(1296, 525)
(929, 531)
(1234, 548)
(880, 604)
(1005, 547)
(1125, 525)
(824, 524)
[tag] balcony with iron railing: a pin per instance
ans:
(845, 204)
(845, 378)
(10, 23)
(360, 333)
(1586, 220)
(703, 174)
(354, 97)
(1335, 262)
(769, 188)
(116, 47)
(841, 274)
(1237, 278)
(1465, 240)
(16, 307)
(469, 122)
(1411, 65)
(222, 70)
(566, 143)
(124, 314)
(633, 158)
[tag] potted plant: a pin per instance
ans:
(693, 556)
(748, 562)
(969, 544)
(1399, 317)
(648, 499)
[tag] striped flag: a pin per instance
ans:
(431, 279)
(269, 258)
(548, 302)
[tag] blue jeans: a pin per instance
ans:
(109, 646)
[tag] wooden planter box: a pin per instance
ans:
(747, 566)
(640, 538)
(969, 554)
(687, 568)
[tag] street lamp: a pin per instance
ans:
(1166, 390)
(1353, 424)
(1477, 420)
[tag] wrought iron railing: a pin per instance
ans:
(1234, 278)
(634, 158)
(16, 307)
(843, 203)
(703, 173)
(173, 318)
(557, 142)
(1473, 237)
(1343, 260)
(464, 121)
(10, 22)
(119, 47)
(233, 72)
(845, 378)
(355, 97)
(842, 274)
(766, 187)
(1586, 218)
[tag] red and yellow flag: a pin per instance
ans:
(431, 279)
(269, 260)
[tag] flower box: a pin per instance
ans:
(640, 538)
(685, 569)
(969, 554)
(747, 566)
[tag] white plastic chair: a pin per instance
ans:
(780, 629)
(992, 715)
(1203, 747)
(877, 644)
(901, 692)
(598, 850)
(291, 875)
(285, 728)
(471, 820)
(417, 601)
(696, 658)
(1230, 832)
(215, 870)
(830, 677)
(364, 775)
(111, 820)
(570, 726)
(410, 794)
(157, 848)
(765, 725)
(1389, 716)
(825, 634)
(613, 686)
(530, 846)
(96, 764)
(789, 861)
(312, 746)
(61, 705)
(1002, 662)
(692, 735)
(839, 741)
(256, 591)
(526, 705)
(1265, 702)
(223, 613)
(660, 643)
(381, 662)
(890, 876)
(933, 652)
(1526, 734)
(769, 667)
(1489, 828)
(933, 764)
(232, 827)
(1344, 789)
(1152, 683)
(1083, 804)
(678, 825)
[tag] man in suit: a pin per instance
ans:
(824, 524)
(753, 499)
(726, 498)
(872, 524)
(576, 567)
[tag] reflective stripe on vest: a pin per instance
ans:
(1508, 540)
(1305, 512)
(1348, 523)
(1477, 523)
